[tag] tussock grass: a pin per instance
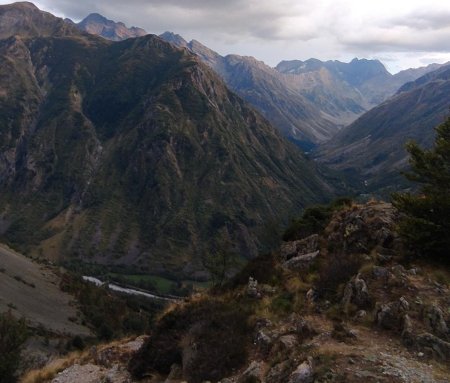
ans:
(49, 371)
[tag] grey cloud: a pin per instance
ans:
(231, 20)
(276, 30)
(399, 40)
(431, 19)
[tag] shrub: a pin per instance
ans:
(426, 223)
(337, 270)
(208, 338)
(314, 220)
(13, 334)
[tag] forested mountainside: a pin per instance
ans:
(133, 152)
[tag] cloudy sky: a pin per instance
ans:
(400, 33)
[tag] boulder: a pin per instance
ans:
(304, 329)
(356, 292)
(303, 246)
(311, 296)
(435, 322)
(301, 262)
(117, 375)
(88, 373)
(379, 272)
(435, 345)
(287, 342)
(407, 330)
(304, 373)
(253, 373)
(263, 342)
(279, 373)
(342, 333)
(390, 316)
(252, 288)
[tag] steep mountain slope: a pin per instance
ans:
(100, 25)
(270, 92)
(372, 148)
(135, 153)
(307, 101)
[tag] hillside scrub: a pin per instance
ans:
(13, 333)
(314, 219)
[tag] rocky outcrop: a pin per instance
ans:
(363, 228)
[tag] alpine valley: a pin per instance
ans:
(169, 214)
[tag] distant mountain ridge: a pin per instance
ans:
(307, 101)
(134, 153)
(368, 77)
(372, 149)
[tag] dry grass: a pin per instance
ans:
(49, 371)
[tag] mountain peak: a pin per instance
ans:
(96, 17)
(98, 24)
(23, 5)
(174, 38)
(26, 20)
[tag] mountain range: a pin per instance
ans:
(308, 101)
(134, 152)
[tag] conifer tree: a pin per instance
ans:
(426, 222)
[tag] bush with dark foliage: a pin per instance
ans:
(426, 223)
(314, 219)
(209, 339)
(13, 333)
